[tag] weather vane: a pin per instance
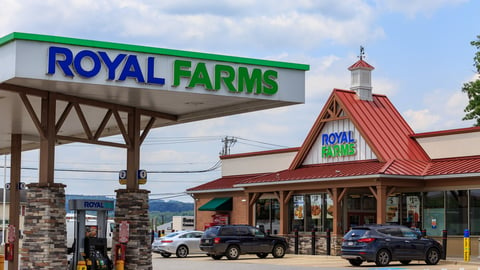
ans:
(362, 53)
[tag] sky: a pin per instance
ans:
(420, 50)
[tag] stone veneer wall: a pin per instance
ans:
(44, 243)
(132, 206)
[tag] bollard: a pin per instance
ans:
(466, 245)
(424, 233)
(313, 242)
(275, 232)
(119, 265)
(329, 241)
(2, 262)
(444, 244)
(268, 232)
(296, 241)
(81, 265)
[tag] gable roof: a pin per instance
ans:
(379, 123)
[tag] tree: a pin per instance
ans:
(473, 89)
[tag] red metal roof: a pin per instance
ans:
(452, 166)
(361, 64)
(379, 123)
(225, 182)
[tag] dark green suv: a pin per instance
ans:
(233, 240)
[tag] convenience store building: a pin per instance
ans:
(360, 163)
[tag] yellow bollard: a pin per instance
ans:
(2, 262)
(119, 264)
(81, 265)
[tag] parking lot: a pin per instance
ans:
(290, 261)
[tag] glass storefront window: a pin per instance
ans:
(311, 212)
(457, 211)
(267, 214)
(434, 213)
(475, 211)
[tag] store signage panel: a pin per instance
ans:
(118, 68)
(338, 144)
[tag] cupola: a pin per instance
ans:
(362, 78)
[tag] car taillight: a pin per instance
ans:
(216, 240)
(366, 240)
(167, 241)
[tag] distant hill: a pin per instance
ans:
(156, 205)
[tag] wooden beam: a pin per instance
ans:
(33, 115)
(374, 192)
(121, 126)
(83, 121)
(104, 123)
(147, 129)
(89, 141)
(63, 117)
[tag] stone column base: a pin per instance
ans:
(45, 230)
(132, 206)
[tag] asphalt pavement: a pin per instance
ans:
(291, 261)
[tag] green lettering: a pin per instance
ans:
(324, 151)
(351, 149)
(181, 69)
(336, 150)
(229, 72)
(270, 85)
(249, 82)
(200, 77)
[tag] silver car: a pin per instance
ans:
(180, 243)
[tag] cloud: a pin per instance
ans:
(421, 120)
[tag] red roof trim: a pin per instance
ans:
(446, 132)
(361, 64)
(260, 153)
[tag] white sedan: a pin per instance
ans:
(181, 243)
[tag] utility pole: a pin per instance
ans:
(228, 142)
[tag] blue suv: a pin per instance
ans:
(384, 243)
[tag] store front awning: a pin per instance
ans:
(217, 204)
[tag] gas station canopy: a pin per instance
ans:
(96, 84)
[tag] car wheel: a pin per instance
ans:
(355, 262)
(383, 257)
(433, 256)
(278, 251)
(182, 252)
(405, 262)
(217, 257)
(262, 255)
(233, 252)
(165, 255)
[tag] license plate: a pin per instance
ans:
(207, 241)
(349, 243)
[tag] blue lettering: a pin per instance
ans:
(63, 64)
(77, 63)
(151, 73)
(111, 66)
(324, 139)
(132, 69)
(338, 138)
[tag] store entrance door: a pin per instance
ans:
(361, 209)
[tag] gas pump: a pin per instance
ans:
(90, 244)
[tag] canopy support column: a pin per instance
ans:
(15, 176)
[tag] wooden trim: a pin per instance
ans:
(147, 129)
(104, 123)
(374, 192)
(83, 121)
(90, 141)
(24, 90)
(254, 198)
(288, 196)
(63, 117)
(121, 126)
(33, 115)
(342, 194)
(391, 191)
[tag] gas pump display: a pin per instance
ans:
(90, 244)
